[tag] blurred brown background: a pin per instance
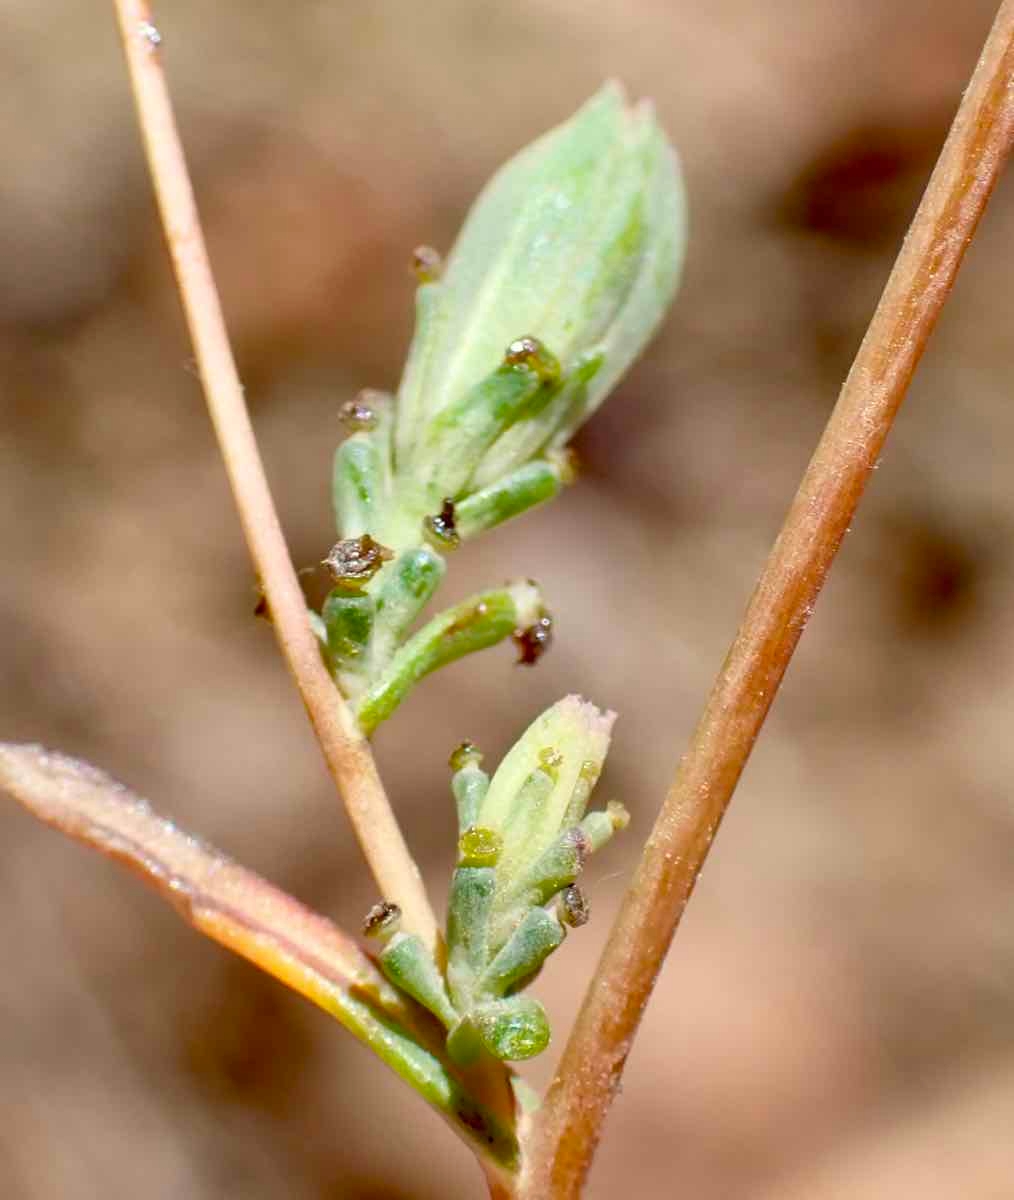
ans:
(837, 1019)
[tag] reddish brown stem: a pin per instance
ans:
(345, 749)
(955, 198)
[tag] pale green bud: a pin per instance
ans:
(577, 242)
(562, 272)
(543, 784)
(525, 837)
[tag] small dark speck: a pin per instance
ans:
(534, 641)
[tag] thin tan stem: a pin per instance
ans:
(345, 749)
(958, 191)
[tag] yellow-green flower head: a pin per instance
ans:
(575, 244)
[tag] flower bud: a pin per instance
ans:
(533, 793)
(574, 247)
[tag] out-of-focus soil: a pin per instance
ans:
(837, 1017)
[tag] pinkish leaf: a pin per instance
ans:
(255, 919)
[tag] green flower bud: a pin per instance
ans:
(562, 272)
(524, 839)
(575, 245)
(535, 795)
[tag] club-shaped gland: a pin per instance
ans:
(382, 922)
(533, 640)
(467, 754)
(551, 760)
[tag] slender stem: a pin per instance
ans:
(345, 749)
(970, 162)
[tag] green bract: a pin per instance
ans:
(563, 270)
(524, 839)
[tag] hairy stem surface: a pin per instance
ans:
(345, 749)
(569, 1126)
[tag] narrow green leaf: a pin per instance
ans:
(468, 911)
(348, 625)
(530, 437)
(409, 966)
(469, 785)
(460, 434)
(524, 952)
(474, 624)
(405, 588)
(361, 478)
(528, 486)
